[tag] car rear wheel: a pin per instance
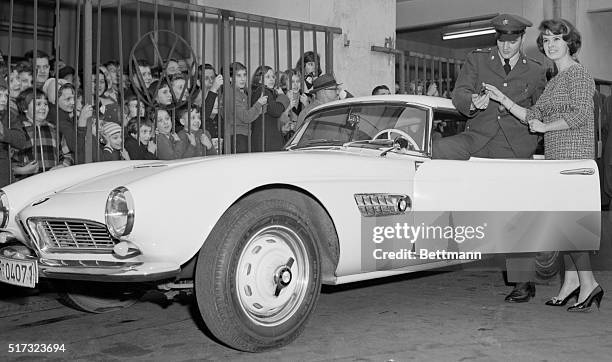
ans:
(93, 297)
(258, 275)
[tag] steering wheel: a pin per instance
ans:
(390, 131)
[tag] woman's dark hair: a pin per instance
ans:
(258, 76)
(65, 86)
(309, 57)
(27, 96)
(234, 68)
(560, 27)
(284, 78)
(134, 123)
(378, 88)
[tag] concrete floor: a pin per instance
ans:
(455, 315)
(446, 316)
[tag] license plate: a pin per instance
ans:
(23, 273)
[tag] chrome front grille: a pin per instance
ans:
(71, 235)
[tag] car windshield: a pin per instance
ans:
(341, 125)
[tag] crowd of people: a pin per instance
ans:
(157, 113)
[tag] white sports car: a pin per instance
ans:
(255, 235)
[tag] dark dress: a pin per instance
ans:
(266, 127)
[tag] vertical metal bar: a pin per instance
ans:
(262, 60)
(327, 66)
(424, 75)
(303, 63)
(97, 83)
(187, 86)
(289, 60)
(87, 59)
(56, 71)
(248, 41)
(172, 19)
(440, 77)
(329, 52)
(233, 30)
(316, 54)
(448, 76)
(138, 22)
(76, 79)
(433, 70)
(121, 100)
(10, 71)
(202, 90)
(224, 60)
(35, 71)
(276, 50)
(155, 21)
(402, 75)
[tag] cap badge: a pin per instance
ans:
(505, 22)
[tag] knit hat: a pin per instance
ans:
(110, 128)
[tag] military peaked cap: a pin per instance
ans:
(509, 27)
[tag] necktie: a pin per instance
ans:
(507, 67)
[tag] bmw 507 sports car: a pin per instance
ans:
(255, 235)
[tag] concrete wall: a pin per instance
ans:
(364, 22)
(596, 51)
(595, 26)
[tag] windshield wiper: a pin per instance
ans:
(318, 141)
(379, 142)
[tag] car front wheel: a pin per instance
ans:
(258, 274)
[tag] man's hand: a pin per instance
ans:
(479, 101)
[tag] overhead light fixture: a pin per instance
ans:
(468, 33)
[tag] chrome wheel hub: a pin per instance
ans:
(272, 275)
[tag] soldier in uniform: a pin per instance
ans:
(491, 130)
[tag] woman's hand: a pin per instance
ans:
(537, 126)
(263, 100)
(217, 83)
(27, 169)
(494, 93)
(125, 154)
(86, 114)
(152, 147)
(304, 99)
(206, 141)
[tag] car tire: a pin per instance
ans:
(547, 264)
(95, 297)
(258, 275)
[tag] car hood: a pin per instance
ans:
(322, 162)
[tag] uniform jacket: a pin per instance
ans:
(523, 85)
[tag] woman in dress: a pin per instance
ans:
(564, 114)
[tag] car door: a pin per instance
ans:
(518, 205)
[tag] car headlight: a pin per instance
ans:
(4, 209)
(119, 213)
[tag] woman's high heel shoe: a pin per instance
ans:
(558, 302)
(586, 305)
